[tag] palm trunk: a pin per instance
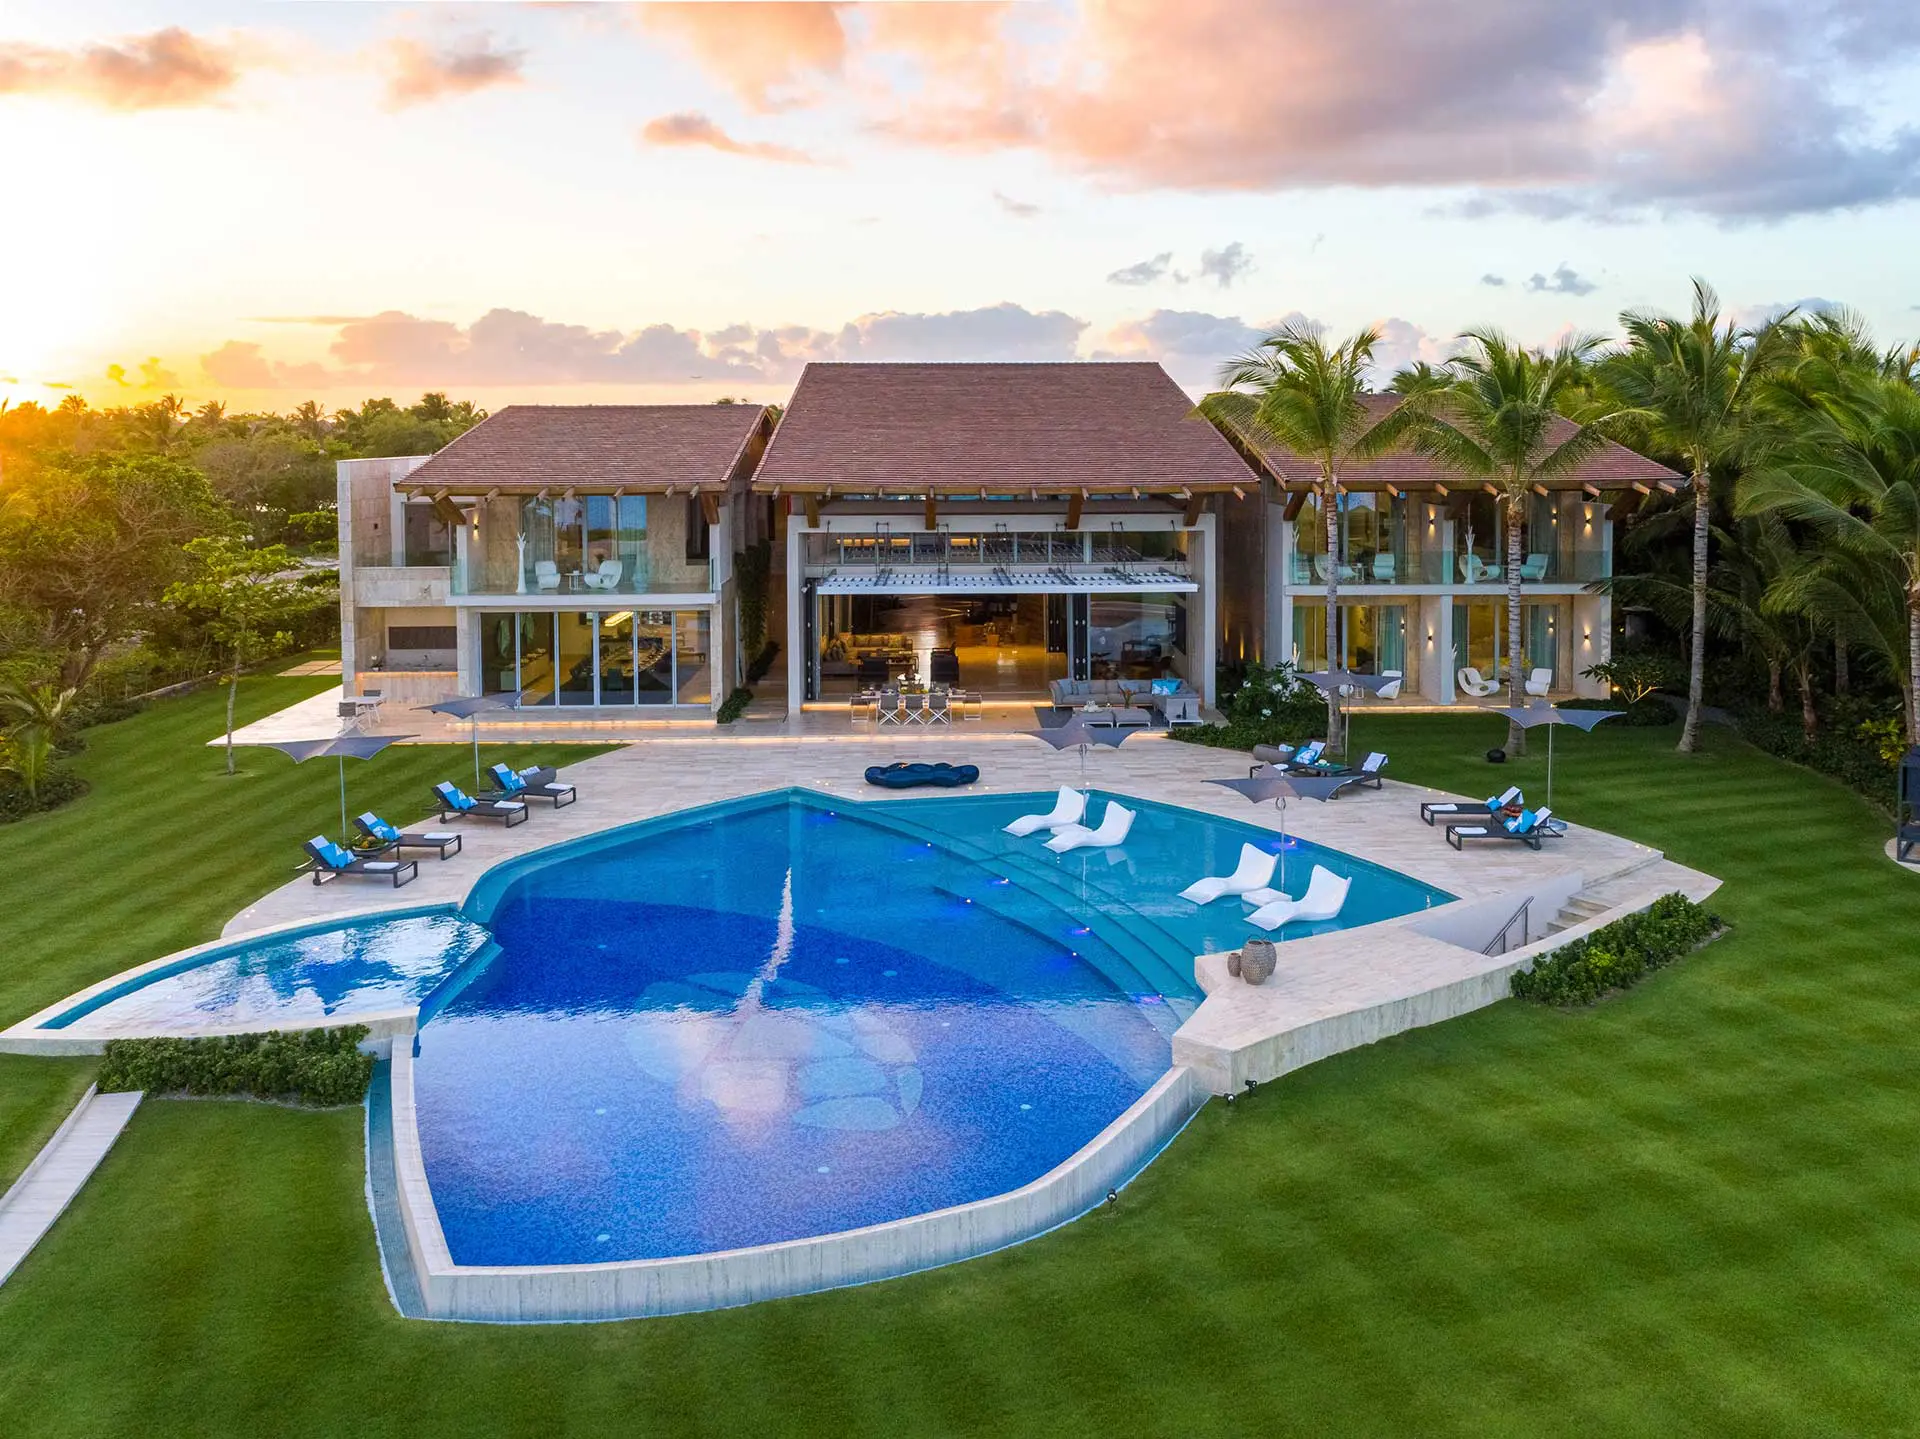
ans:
(1776, 695)
(1697, 659)
(1516, 737)
(1809, 716)
(1330, 510)
(1842, 671)
(1913, 668)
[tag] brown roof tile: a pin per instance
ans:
(1613, 466)
(1005, 428)
(635, 446)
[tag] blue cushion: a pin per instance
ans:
(508, 780)
(455, 798)
(334, 856)
(385, 830)
(1166, 687)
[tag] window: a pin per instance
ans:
(699, 537)
(428, 538)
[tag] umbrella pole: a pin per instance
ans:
(1550, 729)
(343, 795)
(473, 725)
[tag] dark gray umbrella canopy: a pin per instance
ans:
(1531, 716)
(1278, 786)
(342, 747)
(470, 708)
(1074, 734)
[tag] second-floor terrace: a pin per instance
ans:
(1007, 557)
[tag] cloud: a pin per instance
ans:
(168, 69)
(418, 72)
(1143, 272)
(1563, 281)
(1019, 209)
(1492, 281)
(1748, 110)
(1226, 265)
(153, 376)
(689, 128)
(513, 348)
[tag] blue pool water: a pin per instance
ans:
(313, 973)
(782, 1017)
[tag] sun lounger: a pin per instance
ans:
(1069, 807)
(1906, 841)
(1325, 897)
(1367, 775)
(1433, 810)
(326, 860)
(1307, 756)
(455, 802)
(1254, 871)
(1114, 825)
(1529, 828)
(1276, 755)
(442, 842)
(529, 784)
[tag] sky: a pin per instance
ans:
(266, 204)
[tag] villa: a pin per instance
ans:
(997, 527)
(1421, 568)
(580, 556)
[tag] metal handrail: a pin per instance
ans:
(1498, 944)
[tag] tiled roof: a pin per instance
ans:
(595, 446)
(1613, 466)
(1002, 428)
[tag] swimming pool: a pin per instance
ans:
(792, 1016)
(319, 973)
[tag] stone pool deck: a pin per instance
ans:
(1332, 992)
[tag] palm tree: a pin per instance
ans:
(1296, 392)
(32, 718)
(1499, 421)
(1695, 380)
(1848, 463)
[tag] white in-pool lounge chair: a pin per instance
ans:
(1326, 895)
(1114, 825)
(1069, 807)
(1255, 871)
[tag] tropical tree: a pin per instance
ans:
(245, 594)
(1692, 383)
(1845, 459)
(32, 717)
(1498, 420)
(1295, 391)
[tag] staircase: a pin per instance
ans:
(1577, 910)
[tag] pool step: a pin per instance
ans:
(1576, 911)
(1163, 966)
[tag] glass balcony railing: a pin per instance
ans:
(1479, 567)
(1068, 550)
(627, 577)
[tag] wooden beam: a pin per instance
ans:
(1295, 502)
(710, 507)
(930, 520)
(1540, 490)
(1640, 489)
(1238, 493)
(813, 511)
(1393, 490)
(1491, 488)
(1195, 504)
(1592, 492)
(1441, 490)
(1075, 504)
(492, 495)
(567, 493)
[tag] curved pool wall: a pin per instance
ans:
(685, 1284)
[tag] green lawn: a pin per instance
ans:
(1694, 1209)
(35, 1095)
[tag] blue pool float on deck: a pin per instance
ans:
(908, 776)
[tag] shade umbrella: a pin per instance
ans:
(1333, 681)
(1074, 734)
(1279, 786)
(471, 707)
(342, 747)
(1552, 716)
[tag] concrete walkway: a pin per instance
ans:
(42, 1194)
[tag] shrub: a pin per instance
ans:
(1636, 676)
(313, 1066)
(1617, 955)
(753, 573)
(57, 787)
(1270, 706)
(1846, 755)
(733, 706)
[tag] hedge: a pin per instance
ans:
(310, 1066)
(1617, 955)
(61, 786)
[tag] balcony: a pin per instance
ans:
(1038, 561)
(631, 576)
(400, 586)
(1477, 569)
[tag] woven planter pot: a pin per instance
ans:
(1233, 964)
(1257, 960)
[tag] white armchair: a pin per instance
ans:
(607, 576)
(1539, 682)
(1474, 684)
(1535, 569)
(546, 574)
(1383, 568)
(1390, 690)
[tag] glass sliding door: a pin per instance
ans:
(630, 542)
(693, 666)
(653, 631)
(617, 671)
(576, 652)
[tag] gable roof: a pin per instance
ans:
(1024, 429)
(1613, 466)
(595, 447)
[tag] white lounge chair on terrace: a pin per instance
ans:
(1538, 682)
(1534, 569)
(546, 574)
(1390, 690)
(1255, 871)
(1326, 895)
(1069, 808)
(1114, 825)
(606, 576)
(1477, 687)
